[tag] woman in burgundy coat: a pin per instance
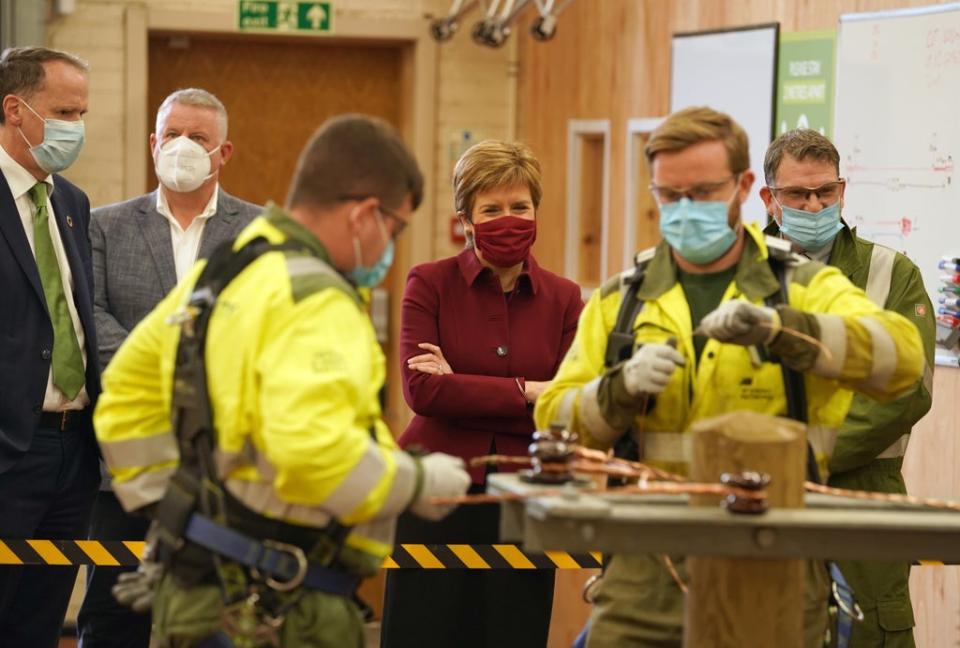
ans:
(482, 332)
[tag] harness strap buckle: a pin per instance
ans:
(844, 598)
(299, 558)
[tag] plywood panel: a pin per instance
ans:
(645, 206)
(590, 210)
(931, 468)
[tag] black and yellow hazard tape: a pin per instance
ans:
(119, 553)
(497, 556)
(407, 556)
(108, 553)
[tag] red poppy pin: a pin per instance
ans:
(920, 310)
(69, 222)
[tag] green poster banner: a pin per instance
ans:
(806, 81)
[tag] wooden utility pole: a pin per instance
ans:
(738, 602)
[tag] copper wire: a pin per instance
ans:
(892, 498)
(800, 335)
(650, 488)
(673, 572)
(589, 461)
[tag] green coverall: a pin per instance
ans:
(869, 454)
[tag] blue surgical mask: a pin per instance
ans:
(62, 141)
(812, 231)
(699, 231)
(369, 276)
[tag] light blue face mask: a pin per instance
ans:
(369, 276)
(699, 231)
(61, 145)
(812, 231)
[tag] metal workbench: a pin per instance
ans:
(829, 528)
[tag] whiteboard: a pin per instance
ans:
(734, 71)
(897, 128)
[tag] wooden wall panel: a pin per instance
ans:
(611, 60)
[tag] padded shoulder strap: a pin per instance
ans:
(621, 338)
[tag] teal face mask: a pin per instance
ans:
(369, 276)
(699, 231)
(812, 231)
(61, 145)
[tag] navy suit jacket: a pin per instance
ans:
(26, 332)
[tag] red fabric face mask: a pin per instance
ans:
(505, 241)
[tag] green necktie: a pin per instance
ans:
(68, 373)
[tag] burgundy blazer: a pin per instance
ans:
(490, 339)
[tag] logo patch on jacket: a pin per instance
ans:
(920, 310)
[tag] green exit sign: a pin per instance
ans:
(279, 15)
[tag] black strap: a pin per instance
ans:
(621, 339)
(793, 384)
(620, 342)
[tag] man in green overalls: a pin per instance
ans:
(804, 196)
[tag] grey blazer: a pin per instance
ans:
(133, 267)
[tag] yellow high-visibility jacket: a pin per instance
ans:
(294, 370)
(871, 351)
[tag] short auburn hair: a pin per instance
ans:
(697, 124)
(490, 164)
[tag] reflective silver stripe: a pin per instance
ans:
(833, 335)
(306, 265)
(590, 416)
(565, 411)
(884, 355)
(404, 482)
(880, 274)
(141, 452)
(927, 377)
(822, 439)
(355, 487)
(146, 488)
(381, 530)
(261, 498)
(667, 446)
(897, 449)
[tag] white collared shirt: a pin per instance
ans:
(186, 242)
(21, 181)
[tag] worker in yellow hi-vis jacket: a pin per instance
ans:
(711, 291)
(243, 413)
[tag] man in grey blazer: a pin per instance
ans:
(141, 249)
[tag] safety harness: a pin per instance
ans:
(620, 347)
(260, 579)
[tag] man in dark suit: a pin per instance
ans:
(48, 350)
(141, 249)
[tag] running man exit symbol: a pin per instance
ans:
(285, 15)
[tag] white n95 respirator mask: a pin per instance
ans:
(183, 165)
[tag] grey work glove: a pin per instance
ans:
(649, 369)
(443, 476)
(740, 322)
(137, 589)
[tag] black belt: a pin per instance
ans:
(67, 420)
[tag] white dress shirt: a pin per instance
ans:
(186, 242)
(21, 181)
